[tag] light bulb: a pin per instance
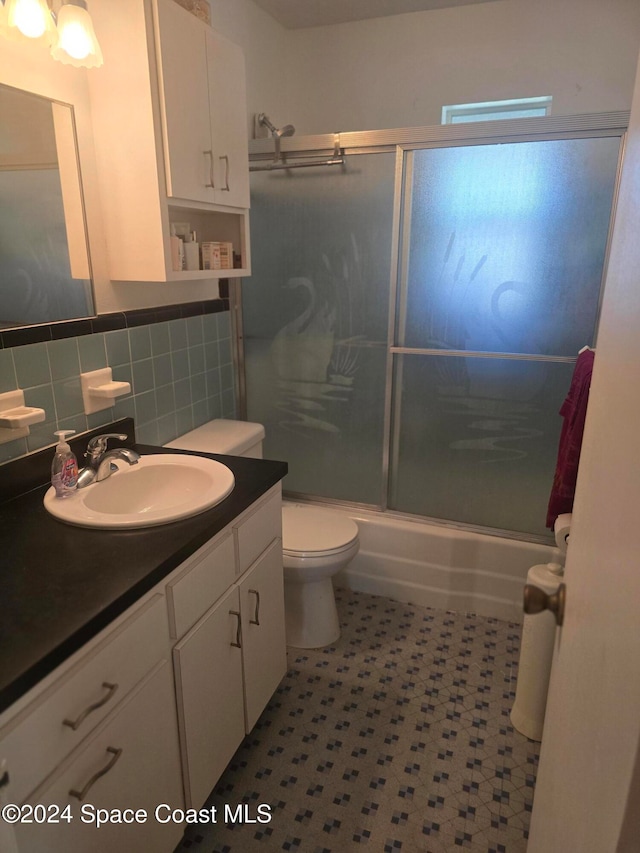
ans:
(30, 18)
(77, 43)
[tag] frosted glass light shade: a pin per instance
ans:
(29, 19)
(77, 43)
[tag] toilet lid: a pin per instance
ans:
(308, 530)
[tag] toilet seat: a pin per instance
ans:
(311, 532)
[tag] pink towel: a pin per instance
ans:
(574, 412)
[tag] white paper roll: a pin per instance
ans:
(561, 530)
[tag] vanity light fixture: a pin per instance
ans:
(30, 19)
(66, 28)
(77, 43)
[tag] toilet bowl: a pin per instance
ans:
(316, 543)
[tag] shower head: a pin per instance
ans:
(278, 133)
(287, 130)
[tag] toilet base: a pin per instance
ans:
(311, 614)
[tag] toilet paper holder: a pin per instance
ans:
(535, 600)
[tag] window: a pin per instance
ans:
(492, 110)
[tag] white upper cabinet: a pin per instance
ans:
(202, 82)
(227, 102)
(170, 132)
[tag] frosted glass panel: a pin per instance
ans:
(477, 439)
(315, 322)
(507, 245)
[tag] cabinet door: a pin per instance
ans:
(132, 762)
(208, 670)
(264, 653)
(184, 102)
(227, 100)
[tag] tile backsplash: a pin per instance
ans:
(181, 374)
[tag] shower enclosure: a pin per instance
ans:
(410, 328)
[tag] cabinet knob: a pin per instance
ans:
(536, 600)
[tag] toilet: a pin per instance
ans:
(316, 543)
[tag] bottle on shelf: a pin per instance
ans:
(177, 251)
(192, 252)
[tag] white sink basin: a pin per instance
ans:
(158, 489)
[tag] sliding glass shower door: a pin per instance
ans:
(413, 319)
(315, 320)
(498, 289)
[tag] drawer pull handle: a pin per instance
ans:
(226, 188)
(256, 617)
(75, 724)
(238, 642)
(80, 795)
(211, 185)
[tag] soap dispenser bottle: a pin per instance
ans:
(64, 468)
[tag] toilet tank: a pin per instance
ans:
(234, 438)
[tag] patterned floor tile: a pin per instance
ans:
(396, 738)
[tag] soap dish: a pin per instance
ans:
(21, 416)
(99, 389)
(15, 417)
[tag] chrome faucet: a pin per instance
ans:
(100, 465)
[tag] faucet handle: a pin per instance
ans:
(98, 444)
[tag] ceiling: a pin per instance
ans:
(294, 14)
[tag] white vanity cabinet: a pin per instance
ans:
(152, 709)
(34, 742)
(90, 734)
(130, 762)
(169, 118)
(228, 665)
(203, 106)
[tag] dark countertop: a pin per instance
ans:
(61, 585)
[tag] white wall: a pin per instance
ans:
(266, 46)
(399, 71)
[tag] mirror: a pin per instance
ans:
(45, 270)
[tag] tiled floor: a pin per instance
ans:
(396, 738)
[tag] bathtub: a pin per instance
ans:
(439, 566)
